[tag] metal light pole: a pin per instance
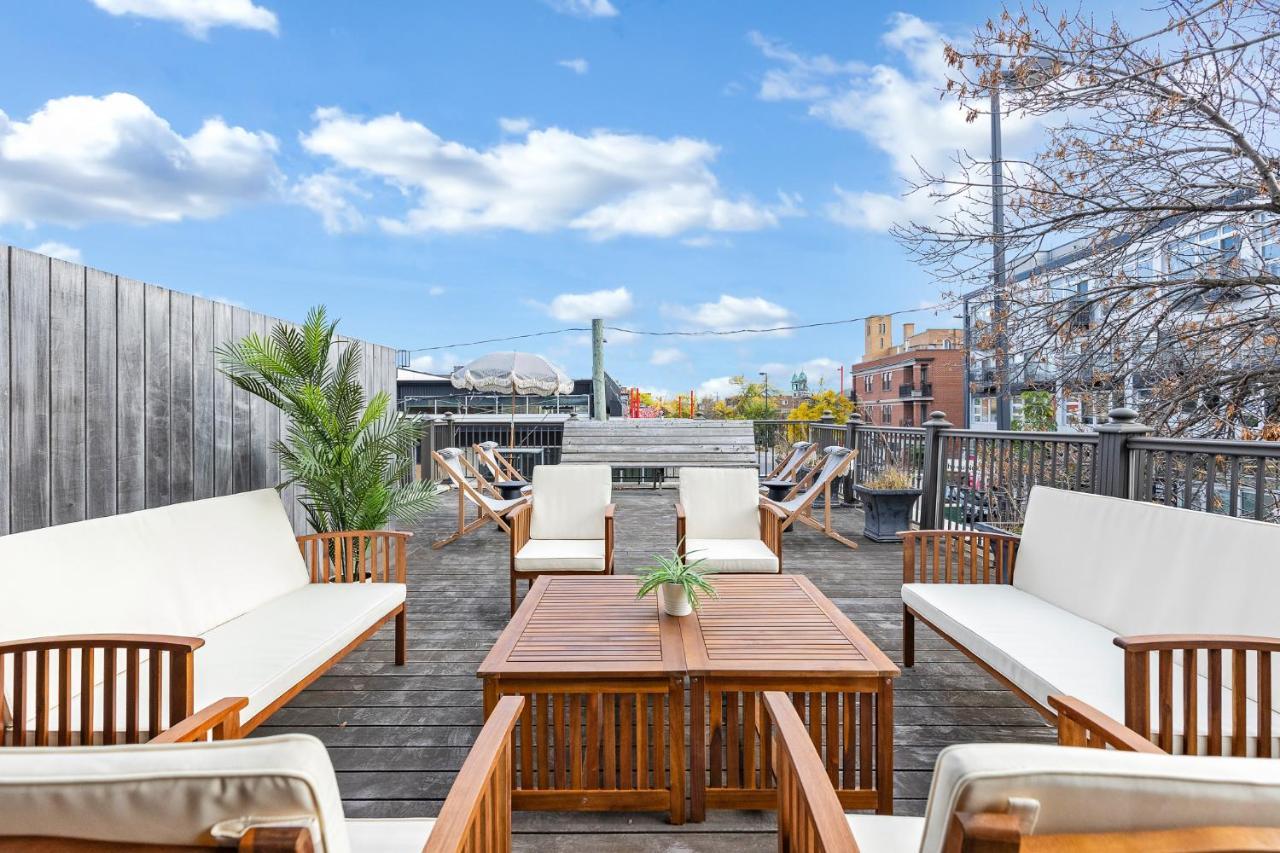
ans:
(1003, 401)
(766, 391)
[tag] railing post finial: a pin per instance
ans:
(827, 417)
(938, 420)
(1113, 459)
(930, 499)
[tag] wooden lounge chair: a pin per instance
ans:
(1003, 798)
(798, 505)
(722, 520)
(472, 489)
(260, 794)
(567, 529)
(790, 464)
(498, 466)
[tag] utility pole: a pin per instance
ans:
(998, 307)
(600, 406)
(766, 391)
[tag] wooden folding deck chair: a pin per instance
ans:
(474, 489)
(790, 464)
(798, 505)
(498, 466)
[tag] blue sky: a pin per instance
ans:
(438, 172)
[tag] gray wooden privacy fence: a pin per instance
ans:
(110, 400)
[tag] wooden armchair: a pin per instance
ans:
(1015, 798)
(567, 527)
(952, 556)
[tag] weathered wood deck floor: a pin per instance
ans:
(397, 735)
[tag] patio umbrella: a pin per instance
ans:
(512, 373)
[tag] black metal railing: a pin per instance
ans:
(1236, 478)
(538, 441)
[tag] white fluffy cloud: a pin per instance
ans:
(581, 307)
(605, 184)
(197, 17)
(666, 355)
(734, 312)
(720, 386)
(577, 65)
(895, 107)
(435, 290)
(584, 8)
(441, 363)
(54, 249)
(822, 372)
(331, 196)
(515, 126)
(80, 158)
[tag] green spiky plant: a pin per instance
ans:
(679, 571)
(351, 459)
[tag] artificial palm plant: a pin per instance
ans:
(351, 458)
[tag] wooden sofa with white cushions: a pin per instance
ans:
(1001, 798)
(721, 520)
(567, 527)
(113, 629)
(258, 794)
(1131, 607)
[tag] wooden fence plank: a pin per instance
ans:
(6, 457)
(159, 399)
(131, 448)
(181, 411)
(202, 404)
(100, 393)
(241, 425)
(29, 490)
(223, 408)
(67, 393)
(261, 433)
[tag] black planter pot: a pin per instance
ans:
(887, 511)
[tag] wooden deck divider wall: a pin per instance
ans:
(110, 400)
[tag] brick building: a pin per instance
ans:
(900, 384)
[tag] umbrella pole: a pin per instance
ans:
(513, 415)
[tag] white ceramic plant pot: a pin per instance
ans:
(675, 600)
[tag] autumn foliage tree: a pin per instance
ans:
(1160, 169)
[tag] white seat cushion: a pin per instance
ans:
(170, 794)
(269, 650)
(886, 833)
(569, 501)
(1098, 790)
(732, 555)
(1041, 648)
(720, 503)
(564, 555)
(389, 835)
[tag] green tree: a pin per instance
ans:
(1038, 413)
(747, 404)
(352, 459)
(811, 410)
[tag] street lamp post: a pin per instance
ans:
(1003, 401)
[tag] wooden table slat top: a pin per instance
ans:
(776, 624)
(587, 626)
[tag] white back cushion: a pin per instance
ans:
(569, 501)
(1142, 568)
(171, 794)
(720, 503)
(180, 569)
(1095, 790)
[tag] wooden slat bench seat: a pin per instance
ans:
(112, 630)
(660, 444)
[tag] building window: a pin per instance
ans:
(886, 380)
(867, 383)
(886, 414)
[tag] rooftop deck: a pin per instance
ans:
(397, 735)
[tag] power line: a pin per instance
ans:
(684, 333)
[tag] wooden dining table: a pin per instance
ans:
(603, 676)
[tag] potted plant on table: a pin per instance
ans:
(680, 583)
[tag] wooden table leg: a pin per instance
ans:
(884, 747)
(675, 721)
(490, 696)
(698, 749)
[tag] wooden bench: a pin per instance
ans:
(1152, 614)
(659, 445)
(259, 794)
(115, 629)
(1002, 798)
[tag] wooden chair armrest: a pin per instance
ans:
(808, 808)
(958, 556)
(1212, 664)
(609, 513)
(356, 556)
(168, 668)
(519, 519)
(681, 526)
(1081, 724)
(221, 719)
(771, 520)
(479, 803)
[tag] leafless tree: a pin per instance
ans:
(1159, 169)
